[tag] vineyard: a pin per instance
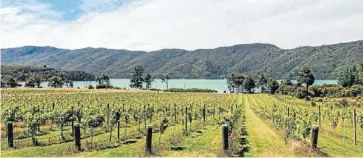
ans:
(51, 122)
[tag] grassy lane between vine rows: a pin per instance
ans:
(263, 140)
(204, 140)
(329, 142)
(335, 147)
(208, 144)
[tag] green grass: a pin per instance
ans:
(262, 139)
(205, 145)
(338, 147)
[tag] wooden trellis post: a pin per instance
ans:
(225, 137)
(149, 134)
(319, 115)
(10, 134)
(314, 137)
(175, 113)
(186, 119)
(355, 126)
(204, 111)
(77, 137)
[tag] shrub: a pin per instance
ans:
(103, 86)
(154, 89)
(323, 91)
(91, 87)
(29, 84)
(118, 88)
(192, 90)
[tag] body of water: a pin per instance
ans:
(220, 85)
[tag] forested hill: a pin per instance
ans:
(22, 73)
(325, 61)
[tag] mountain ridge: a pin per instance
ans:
(121, 49)
(326, 60)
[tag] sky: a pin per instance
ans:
(186, 24)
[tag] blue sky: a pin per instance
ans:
(186, 24)
(69, 9)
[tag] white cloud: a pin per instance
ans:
(188, 24)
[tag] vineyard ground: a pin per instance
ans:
(205, 140)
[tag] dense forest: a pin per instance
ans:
(33, 75)
(22, 73)
(326, 62)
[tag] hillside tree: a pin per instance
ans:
(101, 79)
(236, 82)
(148, 80)
(306, 77)
(351, 76)
(262, 81)
(165, 80)
(249, 84)
(12, 83)
(55, 82)
(230, 84)
(137, 77)
(360, 73)
(273, 86)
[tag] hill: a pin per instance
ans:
(325, 61)
(22, 73)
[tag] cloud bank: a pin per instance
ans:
(187, 24)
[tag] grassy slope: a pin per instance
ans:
(262, 139)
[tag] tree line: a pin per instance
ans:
(351, 76)
(138, 78)
(239, 83)
(33, 76)
(347, 79)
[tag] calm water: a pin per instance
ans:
(219, 85)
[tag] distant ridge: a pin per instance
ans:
(325, 61)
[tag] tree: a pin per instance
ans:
(262, 82)
(230, 83)
(37, 81)
(30, 82)
(283, 84)
(33, 81)
(12, 83)
(351, 76)
(360, 73)
(55, 82)
(165, 80)
(148, 80)
(273, 86)
(305, 76)
(346, 78)
(102, 78)
(238, 82)
(249, 84)
(137, 77)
